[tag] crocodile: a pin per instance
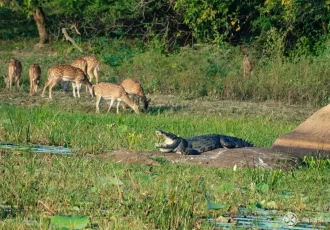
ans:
(197, 144)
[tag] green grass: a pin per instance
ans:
(35, 187)
(97, 133)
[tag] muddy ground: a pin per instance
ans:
(224, 158)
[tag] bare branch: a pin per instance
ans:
(68, 38)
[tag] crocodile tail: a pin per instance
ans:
(234, 142)
(243, 143)
(246, 143)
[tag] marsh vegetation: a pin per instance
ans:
(196, 87)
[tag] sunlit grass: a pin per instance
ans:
(35, 187)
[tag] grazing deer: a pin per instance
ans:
(135, 90)
(113, 92)
(67, 73)
(78, 63)
(247, 65)
(93, 66)
(34, 74)
(14, 73)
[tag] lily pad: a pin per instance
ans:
(69, 222)
(215, 206)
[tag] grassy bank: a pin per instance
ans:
(72, 122)
(34, 188)
(192, 72)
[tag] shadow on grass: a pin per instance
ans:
(162, 109)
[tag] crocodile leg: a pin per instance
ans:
(169, 146)
(190, 151)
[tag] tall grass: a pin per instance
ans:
(202, 70)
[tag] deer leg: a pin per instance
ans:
(45, 87)
(96, 75)
(74, 89)
(35, 87)
(53, 83)
(90, 77)
(78, 86)
(118, 103)
(10, 82)
(17, 83)
(111, 103)
(123, 105)
(98, 99)
(31, 87)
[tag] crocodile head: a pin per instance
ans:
(170, 142)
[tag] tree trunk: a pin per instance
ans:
(39, 18)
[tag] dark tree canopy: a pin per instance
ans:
(302, 25)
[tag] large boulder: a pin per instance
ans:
(310, 137)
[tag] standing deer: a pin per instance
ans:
(67, 73)
(113, 92)
(78, 63)
(14, 73)
(135, 90)
(247, 65)
(34, 74)
(93, 66)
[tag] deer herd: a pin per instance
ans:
(81, 70)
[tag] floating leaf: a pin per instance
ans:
(262, 187)
(122, 129)
(146, 179)
(228, 187)
(69, 222)
(116, 181)
(107, 181)
(93, 189)
(286, 194)
(215, 206)
(259, 205)
(75, 208)
(6, 121)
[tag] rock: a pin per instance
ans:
(310, 137)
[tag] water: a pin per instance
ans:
(38, 149)
(274, 220)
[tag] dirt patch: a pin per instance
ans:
(224, 158)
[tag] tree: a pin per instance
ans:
(30, 7)
(39, 18)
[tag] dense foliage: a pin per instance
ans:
(302, 25)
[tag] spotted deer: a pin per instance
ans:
(34, 75)
(78, 63)
(92, 68)
(66, 73)
(14, 73)
(247, 65)
(135, 90)
(112, 92)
